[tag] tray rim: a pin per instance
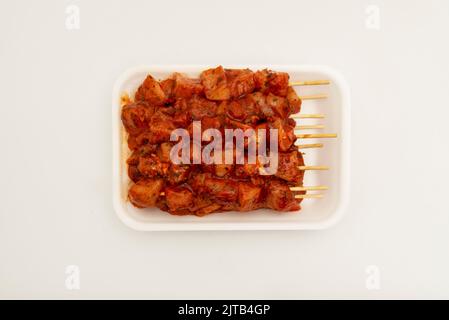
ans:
(344, 183)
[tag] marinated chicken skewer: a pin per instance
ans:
(297, 196)
(304, 188)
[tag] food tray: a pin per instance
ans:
(315, 213)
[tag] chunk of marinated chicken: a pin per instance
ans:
(269, 81)
(229, 206)
(234, 110)
(230, 123)
(210, 123)
(145, 192)
(249, 195)
(262, 130)
(200, 200)
(240, 82)
(253, 112)
(221, 108)
(221, 190)
(135, 117)
(286, 133)
(178, 198)
(246, 170)
(280, 197)
(197, 180)
(206, 123)
(152, 166)
(178, 173)
(181, 119)
(244, 109)
(215, 84)
(144, 150)
(186, 87)
(288, 164)
(207, 209)
(222, 170)
(264, 110)
(160, 127)
(134, 173)
(260, 181)
(294, 101)
(248, 133)
(143, 139)
(163, 152)
(168, 86)
(132, 143)
(279, 105)
(133, 159)
(200, 107)
(203, 205)
(151, 92)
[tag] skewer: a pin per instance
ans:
(309, 83)
(306, 127)
(313, 168)
(314, 96)
(309, 146)
(310, 188)
(303, 188)
(316, 135)
(307, 116)
(297, 196)
(303, 196)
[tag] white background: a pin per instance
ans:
(55, 165)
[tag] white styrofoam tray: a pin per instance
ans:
(315, 213)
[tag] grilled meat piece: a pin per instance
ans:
(145, 192)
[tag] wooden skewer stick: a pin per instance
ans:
(309, 188)
(314, 96)
(313, 168)
(309, 146)
(309, 83)
(307, 116)
(316, 135)
(313, 126)
(304, 196)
